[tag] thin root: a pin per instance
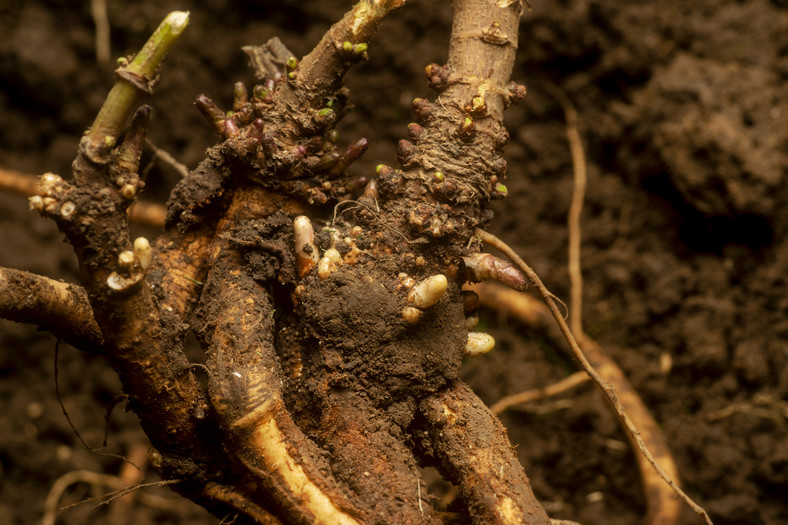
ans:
(607, 390)
(93, 478)
(568, 383)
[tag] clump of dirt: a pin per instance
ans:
(684, 247)
(366, 340)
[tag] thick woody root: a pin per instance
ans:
(379, 489)
(372, 457)
(450, 166)
(360, 483)
(244, 387)
(662, 506)
(59, 307)
(91, 212)
(473, 451)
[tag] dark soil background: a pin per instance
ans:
(684, 114)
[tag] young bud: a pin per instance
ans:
(305, 250)
(478, 344)
(484, 266)
(516, 92)
(428, 292)
(68, 209)
(211, 112)
(240, 96)
(423, 109)
(405, 151)
(414, 131)
(128, 191)
(437, 75)
(36, 203)
(411, 315)
(142, 251)
(467, 128)
(126, 260)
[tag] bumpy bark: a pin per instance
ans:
(333, 345)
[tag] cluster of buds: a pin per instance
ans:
(131, 266)
(343, 250)
(53, 197)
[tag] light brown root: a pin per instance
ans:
(130, 475)
(568, 383)
(473, 451)
(607, 389)
(95, 479)
(147, 213)
(662, 507)
(98, 10)
(18, 182)
(575, 208)
(68, 479)
(61, 308)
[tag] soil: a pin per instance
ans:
(682, 109)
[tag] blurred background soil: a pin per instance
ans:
(683, 110)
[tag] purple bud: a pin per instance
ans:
(414, 131)
(211, 112)
(405, 151)
(422, 108)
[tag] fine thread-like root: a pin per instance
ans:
(130, 474)
(661, 505)
(606, 388)
(234, 499)
(92, 478)
(575, 209)
(662, 508)
(568, 383)
(167, 158)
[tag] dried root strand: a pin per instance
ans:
(603, 385)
